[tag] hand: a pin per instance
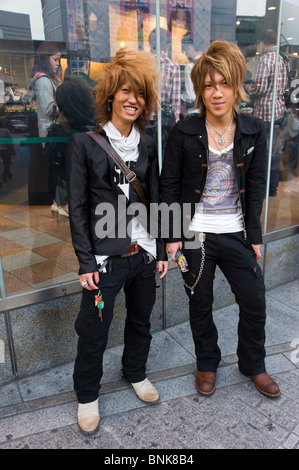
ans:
(172, 248)
(92, 280)
(257, 251)
(162, 268)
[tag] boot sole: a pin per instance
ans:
(205, 393)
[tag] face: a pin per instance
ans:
(181, 17)
(54, 61)
(126, 107)
(260, 47)
(218, 98)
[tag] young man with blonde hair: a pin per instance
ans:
(215, 162)
(126, 96)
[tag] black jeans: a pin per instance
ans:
(137, 275)
(235, 257)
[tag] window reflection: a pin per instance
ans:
(35, 244)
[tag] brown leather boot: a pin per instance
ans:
(205, 382)
(266, 385)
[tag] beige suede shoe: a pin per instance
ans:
(146, 391)
(88, 416)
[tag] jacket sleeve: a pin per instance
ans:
(77, 186)
(45, 94)
(256, 178)
(154, 182)
(171, 180)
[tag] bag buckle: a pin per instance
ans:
(131, 176)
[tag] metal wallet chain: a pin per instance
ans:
(203, 253)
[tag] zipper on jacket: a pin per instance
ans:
(243, 220)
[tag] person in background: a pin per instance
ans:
(171, 85)
(179, 21)
(43, 90)
(7, 151)
(79, 66)
(44, 83)
(263, 89)
(188, 96)
(215, 163)
(126, 97)
(76, 114)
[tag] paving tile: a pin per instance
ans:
(28, 218)
(39, 271)
(14, 285)
(8, 247)
(38, 240)
(46, 419)
(24, 258)
(70, 276)
(20, 233)
(9, 395)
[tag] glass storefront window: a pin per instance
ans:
(80, 36)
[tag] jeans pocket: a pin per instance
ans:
(260, 285)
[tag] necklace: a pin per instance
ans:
(223, 153)
(221, 139)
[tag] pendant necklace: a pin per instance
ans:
(223, 153)
(221, 139)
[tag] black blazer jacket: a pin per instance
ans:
(92, 179)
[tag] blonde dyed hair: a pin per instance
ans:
(140, 70)
(225, 58)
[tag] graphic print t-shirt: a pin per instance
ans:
(219, 210)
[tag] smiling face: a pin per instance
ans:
(127, 105)
(218, 97)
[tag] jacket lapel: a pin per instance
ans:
(142, 161)
(112, 168)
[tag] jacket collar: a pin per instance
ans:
(195, 125)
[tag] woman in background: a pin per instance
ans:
(43, 91)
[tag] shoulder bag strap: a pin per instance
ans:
(131, 177)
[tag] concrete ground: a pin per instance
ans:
(39, 412)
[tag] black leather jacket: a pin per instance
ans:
(92, 180)
(185, 167)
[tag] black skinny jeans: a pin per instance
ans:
(137, 275)
(235, 257)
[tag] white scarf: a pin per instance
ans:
(126, 147)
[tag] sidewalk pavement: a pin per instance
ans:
(39, 412)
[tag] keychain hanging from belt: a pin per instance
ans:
(201, 237)
(99, 303)
(98, 298)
